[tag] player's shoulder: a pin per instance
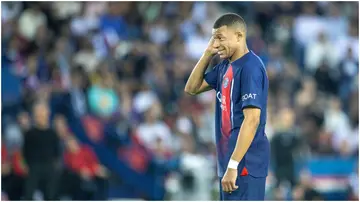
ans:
(249, 61)
(253, 65)
(255, 61)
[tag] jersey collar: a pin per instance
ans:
(241, 60)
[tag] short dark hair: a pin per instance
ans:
(230, 19)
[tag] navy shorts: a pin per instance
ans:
(250, 189)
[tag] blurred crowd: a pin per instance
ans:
(132, 59)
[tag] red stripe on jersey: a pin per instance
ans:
(226, 102)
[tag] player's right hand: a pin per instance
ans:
(210, 49)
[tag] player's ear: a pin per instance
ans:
(239, 36)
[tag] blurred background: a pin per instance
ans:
(113, 75)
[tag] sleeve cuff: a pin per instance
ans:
(251, 105)
(210, 84)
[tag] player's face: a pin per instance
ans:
(226, 41)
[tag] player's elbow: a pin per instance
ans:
(190, 91)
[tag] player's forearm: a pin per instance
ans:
(246, 136)
(197, 75)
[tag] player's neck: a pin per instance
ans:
(239, 53)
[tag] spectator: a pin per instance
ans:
(193, 175)
(30, 21)
(61, 57)
(103, 99)
(86, 177)
(307, 25)
(349, 69)
(143, 100)
(13, 137)
(349, 40)
(154, 132)
(336, 121)
(10, 10)
(77, 95)
(13, 173)
(318, 52)
(31, 81)
(113, 23)
(24, 121)
(42, 154)
(86, 56)
(64, 10)
(282, 28)
(285, 139)
(325, 80)
(276, 60)
(82, 24)
(196, 43)
(335, 18)
(345, 141)
(159, 34)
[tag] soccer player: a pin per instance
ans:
(241, 86)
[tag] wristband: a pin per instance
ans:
(233, 164)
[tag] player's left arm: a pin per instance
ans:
(247, 132)
(252, 90)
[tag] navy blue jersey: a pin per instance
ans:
(240, 84)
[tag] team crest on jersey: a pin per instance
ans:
(226, 82)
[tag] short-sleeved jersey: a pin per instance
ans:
(240, 84)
